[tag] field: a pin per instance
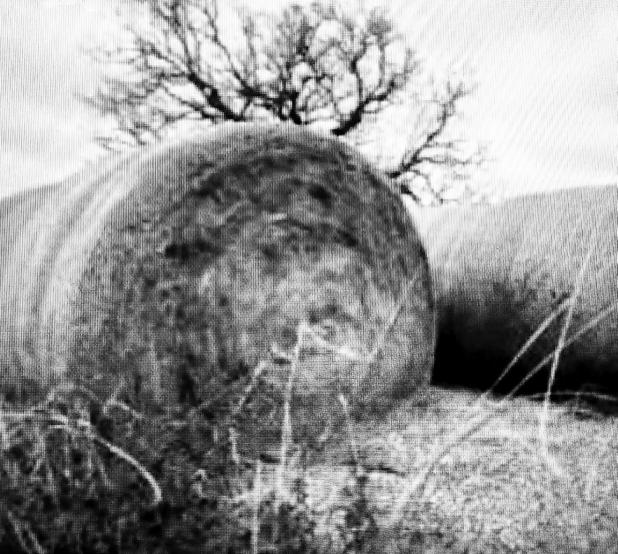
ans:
(232, 352)
(452, 472)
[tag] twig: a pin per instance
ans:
(561, 343)
(246, 393)
(255, 519)
(603, 314)
(112, 403)
(391, 323)
(19, 527)
(148, 477)
(59, 421)
(232, 431)
(531, 340)
(286, 433)
(348, 421)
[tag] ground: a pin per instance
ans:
(451, 472)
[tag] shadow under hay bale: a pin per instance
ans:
(167, 276)
(501, 270)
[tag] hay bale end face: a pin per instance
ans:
(158, 273)
(500, 270)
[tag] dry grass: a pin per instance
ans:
(454, 471)
(491, 490)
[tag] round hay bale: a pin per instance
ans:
(500, 270)
(171, 274)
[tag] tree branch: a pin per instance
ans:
(316, 63)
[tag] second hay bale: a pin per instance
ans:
(501, 269)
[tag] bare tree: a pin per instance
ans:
(310, 64)
(431, 146)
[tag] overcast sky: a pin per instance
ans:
(546, 98)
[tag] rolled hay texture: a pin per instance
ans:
(168, 275)
(500, 270)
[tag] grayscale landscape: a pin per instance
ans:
(308, 277)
